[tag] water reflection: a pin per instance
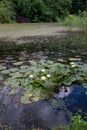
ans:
(45, 114)
(71, 45)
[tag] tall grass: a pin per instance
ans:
(78, 21)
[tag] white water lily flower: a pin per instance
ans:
(74, 65)
(43, 70)
(31, 76)
(43, 78)
(48, 75)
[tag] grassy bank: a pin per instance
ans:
(78, 21)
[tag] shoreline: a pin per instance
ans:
(16, 32)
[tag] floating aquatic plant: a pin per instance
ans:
(41, 79)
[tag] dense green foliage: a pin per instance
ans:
(77, 123)
(7, 12)
(78, 6)
(39, 10)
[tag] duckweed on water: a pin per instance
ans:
(41, 79)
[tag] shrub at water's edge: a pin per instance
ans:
(7, 12)
(78, 21)
(77, 123)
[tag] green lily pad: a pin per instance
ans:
(12, 92)
(2, 67)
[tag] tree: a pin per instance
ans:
(59, 8)
(23, 7)
(38, 10)
(6, 11)
(43, 10)
(78, 5)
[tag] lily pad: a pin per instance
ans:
(12, 92)
(18, 63)
(74, 59)
(62, 60)
(42, 79)
(2, 67)
(25, 99)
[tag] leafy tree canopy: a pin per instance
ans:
(39, 10)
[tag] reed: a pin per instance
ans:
(78, 21)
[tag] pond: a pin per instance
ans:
(45, 113)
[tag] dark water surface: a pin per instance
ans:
(45, 114)
(71, 45)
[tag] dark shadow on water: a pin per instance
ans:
(45, 114)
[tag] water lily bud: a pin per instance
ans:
(48, 75)
(43, 70)
(43, 78)
(31, 76)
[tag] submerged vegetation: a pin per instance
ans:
(41, 79)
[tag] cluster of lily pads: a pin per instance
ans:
(41, 79)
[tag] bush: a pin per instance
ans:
(43, 10)
(7, 13)
(69, 19)
(79, 21)
(38, 11)
(78, 123)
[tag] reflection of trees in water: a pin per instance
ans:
(70, 45)
(45, 114)
(39, 114)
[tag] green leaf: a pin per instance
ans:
(2, 67)
(13, 92)
(25, 99)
